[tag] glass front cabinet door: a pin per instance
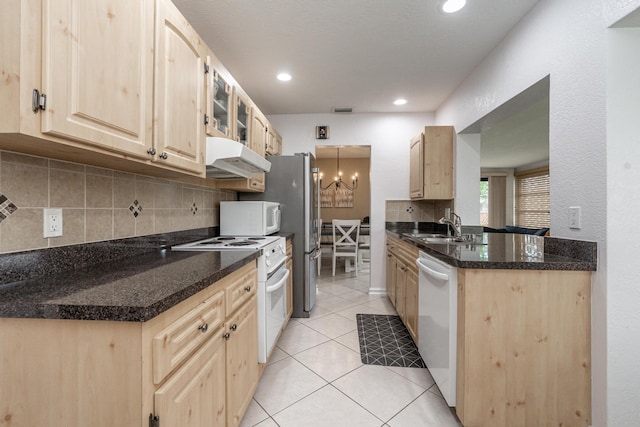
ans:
(243, 116)
(219, 104)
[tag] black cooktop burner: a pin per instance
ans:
(225, 238)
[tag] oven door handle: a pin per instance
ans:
(279, 283)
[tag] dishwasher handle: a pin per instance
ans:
(431, 272)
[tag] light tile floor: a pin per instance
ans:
(315, 376)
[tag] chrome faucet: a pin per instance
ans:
(456, 224)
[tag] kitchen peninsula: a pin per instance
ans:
(523, 325)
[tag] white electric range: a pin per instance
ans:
(272, 277)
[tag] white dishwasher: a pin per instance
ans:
(437, 322)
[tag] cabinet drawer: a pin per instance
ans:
(195, 394)
(240, 290)
(180, 339)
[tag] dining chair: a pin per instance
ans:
(346, 233)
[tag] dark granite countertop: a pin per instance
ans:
(505, 251)
(143, 280)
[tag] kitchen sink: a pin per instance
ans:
(467, 239)
(426, 235)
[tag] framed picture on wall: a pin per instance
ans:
(322, 132)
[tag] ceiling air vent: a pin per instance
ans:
(343, 110)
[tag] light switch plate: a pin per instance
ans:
(574, 218)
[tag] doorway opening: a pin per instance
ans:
(345, 194)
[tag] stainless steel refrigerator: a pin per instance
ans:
(292, 182)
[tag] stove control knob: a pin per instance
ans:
(268, 262)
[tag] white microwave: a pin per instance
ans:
(249, 218)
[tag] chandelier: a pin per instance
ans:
(337, 180)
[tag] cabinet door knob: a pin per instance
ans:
(164, 155)
(203, 328)
(152, 151)
(226, 336)
(233, 327)
(247, 288)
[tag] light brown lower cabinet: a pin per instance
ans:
(195, 395)
(402, 282)
(195, 364)
(242, 361)
(411, 303)
(523, 349)
(391, 277)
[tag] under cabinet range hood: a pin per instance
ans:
(227, 158)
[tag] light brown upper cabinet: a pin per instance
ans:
(79, 74)
(109, 84)
(431, 170)
(219, 99)
(104, 83)
(97, 63)
(179, 128)
(273, 146)
(242, 130)
(259, 129)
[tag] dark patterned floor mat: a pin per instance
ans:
(384, 340)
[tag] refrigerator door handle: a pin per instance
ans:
(316, 172)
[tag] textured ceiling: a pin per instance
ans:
(350, 53)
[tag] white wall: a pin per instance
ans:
(467, 194)
(623, 206)
(388, 135)
(567, 40)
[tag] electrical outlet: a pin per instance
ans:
(52, 224)
(574, 218)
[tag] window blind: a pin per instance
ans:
(532, 203)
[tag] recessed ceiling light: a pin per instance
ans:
(451, 6)
(400, 101)
(284, 77)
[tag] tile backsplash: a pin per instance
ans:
(416, 210)
(97, 204)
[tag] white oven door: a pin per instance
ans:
(275, 311)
